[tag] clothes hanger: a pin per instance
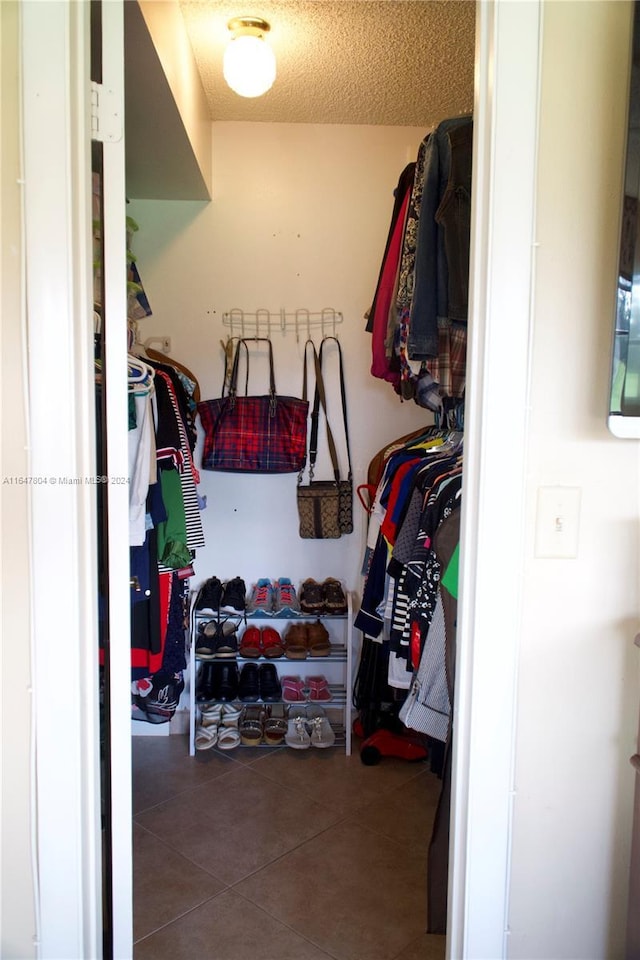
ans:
(139, 376)
(163, 358)
(366, 491)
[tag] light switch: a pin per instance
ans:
(557, 522)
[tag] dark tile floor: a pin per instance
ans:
(277, 854)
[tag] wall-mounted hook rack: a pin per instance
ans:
(262, 322)
(162, 343)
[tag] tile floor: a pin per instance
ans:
(276, 854)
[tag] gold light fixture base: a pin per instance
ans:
(249, 63)
(255, 26)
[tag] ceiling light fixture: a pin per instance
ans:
(249, 64)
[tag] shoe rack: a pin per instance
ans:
(336, 666)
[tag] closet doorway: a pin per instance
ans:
(283, 154)
(498, 33)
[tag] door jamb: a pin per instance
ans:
(65, 789)
(507, 96)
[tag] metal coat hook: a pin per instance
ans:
(236, 314)
(251, 324)
(329, 314)
(302, 314)
(263, 313)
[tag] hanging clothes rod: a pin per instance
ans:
(265, 322)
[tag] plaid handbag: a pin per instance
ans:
(253, 434)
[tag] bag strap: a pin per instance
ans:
(233, 383)
(304, 397)
(304, 366)
(318, 400)
(230, 363)
(321, 397)
(343, 397)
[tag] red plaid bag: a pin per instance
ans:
(257, 434)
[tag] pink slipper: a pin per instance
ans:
(292, 690)
(318, 688)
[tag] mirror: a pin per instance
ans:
(624, 400)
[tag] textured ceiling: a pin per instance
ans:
(345, 61)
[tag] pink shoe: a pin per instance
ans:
(318, 688)
(292, 690)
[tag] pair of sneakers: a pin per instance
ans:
(217, 597)
(327, 597)
(274, 599)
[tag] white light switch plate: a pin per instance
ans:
(557, 522)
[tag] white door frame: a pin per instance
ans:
(58, 247)
(508, 51)
(57, 129)
(117, 448)
(63, 533)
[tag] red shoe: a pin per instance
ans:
(250, 644)
(271, 643)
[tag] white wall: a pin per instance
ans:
(578, 694)
(299, 219)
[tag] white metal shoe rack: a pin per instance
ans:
(337, 667)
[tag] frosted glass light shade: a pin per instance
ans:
(249, 66)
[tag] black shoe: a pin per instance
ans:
(226, 681)
(210, 595)
(234, 595)
(205, 684)
(226, 641)
(206, 640)
(270, 689)
(249, 686)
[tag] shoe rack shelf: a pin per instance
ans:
(337, 667)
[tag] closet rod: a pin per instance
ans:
(265, 322)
